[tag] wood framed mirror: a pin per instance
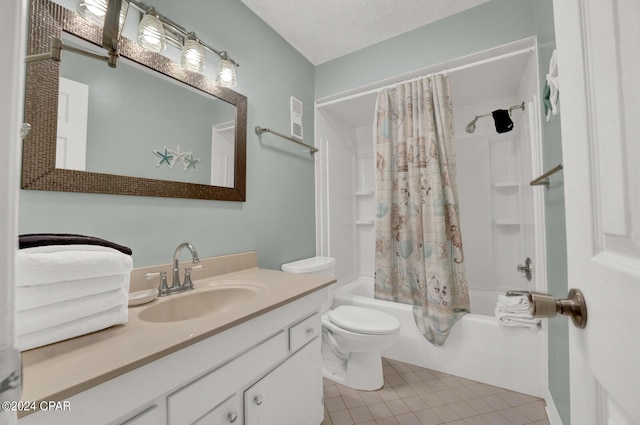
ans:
(202, 124)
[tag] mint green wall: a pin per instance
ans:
(555, 224)
(482, 27)
(278, 218)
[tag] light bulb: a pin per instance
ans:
(192, 56)
(227, 73)
(92, 10)
(151, 34)
(95, 11)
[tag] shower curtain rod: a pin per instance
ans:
(444, 71)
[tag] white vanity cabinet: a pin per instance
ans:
(291, 394)
(217, 381)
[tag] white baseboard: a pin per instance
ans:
(552, 410)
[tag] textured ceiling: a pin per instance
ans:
(325, 29)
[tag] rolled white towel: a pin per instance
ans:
(29, 297)
(63, 263)
(38, 319)
(93, 323)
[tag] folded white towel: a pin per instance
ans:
(73, 329)
(41, 318)
(51, 264)
(514, 312)
(515, 304)
(28, 297)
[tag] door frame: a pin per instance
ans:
(13, 32)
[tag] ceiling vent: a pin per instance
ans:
(296, 118)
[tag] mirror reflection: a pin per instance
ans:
(134, 122)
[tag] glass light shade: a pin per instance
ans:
(95, 11)
(151, 34)
(227, 73)
(192, 56)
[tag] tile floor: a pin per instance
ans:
(414, 395)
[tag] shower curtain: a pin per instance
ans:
(419, 257)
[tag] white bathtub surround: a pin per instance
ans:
(502, 217)
(419, 254)
(477, 348)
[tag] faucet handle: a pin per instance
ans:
(163, 289)
(188, 284)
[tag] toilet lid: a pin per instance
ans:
(364, 320)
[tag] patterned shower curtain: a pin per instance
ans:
(419, 258)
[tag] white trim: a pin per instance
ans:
(552, 411)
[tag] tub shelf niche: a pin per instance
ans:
(507, 186)
(507, 222)
(365, 222)
(364, 194)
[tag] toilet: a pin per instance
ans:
(353, 338)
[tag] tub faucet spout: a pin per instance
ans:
(176, 286)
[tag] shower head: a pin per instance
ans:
(471, 127)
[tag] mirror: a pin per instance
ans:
(150, 128)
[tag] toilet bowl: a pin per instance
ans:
(352, 337)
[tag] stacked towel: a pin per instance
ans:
(514, 312)
(68, 289)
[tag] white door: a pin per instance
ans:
(73, 115)
(598, 45)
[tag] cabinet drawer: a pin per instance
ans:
(304, 331)
(192, 402)
(229, 412)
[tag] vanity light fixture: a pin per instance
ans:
(226, 72)
(192, 54)
(151, 33)
(110, 14)
(155, 27)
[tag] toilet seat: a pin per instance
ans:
(364, 320)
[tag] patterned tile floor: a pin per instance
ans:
(414, 395)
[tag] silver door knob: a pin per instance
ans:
(545, 305)
(258, 399)
(232, 416)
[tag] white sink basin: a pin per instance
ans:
(201, 302)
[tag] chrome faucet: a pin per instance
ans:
(164, 289)
(176, 286)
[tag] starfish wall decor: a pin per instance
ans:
(170, 157)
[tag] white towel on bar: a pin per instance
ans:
(514, 312)
(515, 304)
(28, 297)
(38, 319)
(73, 329)
(62, 263)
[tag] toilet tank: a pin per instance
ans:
(318, 266)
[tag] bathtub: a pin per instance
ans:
(478, 348)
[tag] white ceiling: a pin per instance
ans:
(322, 30)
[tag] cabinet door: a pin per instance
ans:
(291, 394)
(229, 412)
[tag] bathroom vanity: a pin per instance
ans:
(247, 360)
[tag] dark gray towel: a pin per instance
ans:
(33, 240)
(502, 120)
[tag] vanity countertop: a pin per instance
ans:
(58, 371)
